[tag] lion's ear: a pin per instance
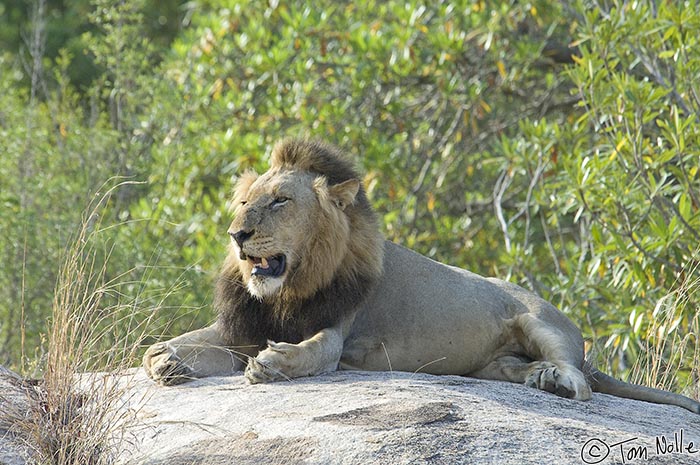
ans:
(340, 195)
(344, 194)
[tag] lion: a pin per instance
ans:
(310, 286)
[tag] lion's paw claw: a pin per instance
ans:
(164, 366)
(564, 382)
(260, 372)
(278, 362)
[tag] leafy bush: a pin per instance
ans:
(616, 189)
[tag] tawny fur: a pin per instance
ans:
(350, 300)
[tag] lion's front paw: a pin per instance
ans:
(279, 361)
(164, 366)
(563, 381)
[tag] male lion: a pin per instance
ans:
(310, 286)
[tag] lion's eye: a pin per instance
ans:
(279, 201)
(243, 202)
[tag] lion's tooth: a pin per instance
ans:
(264, 263)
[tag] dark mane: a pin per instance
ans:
(249, 321)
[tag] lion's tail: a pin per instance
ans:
(600, 382)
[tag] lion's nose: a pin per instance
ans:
(241, 236)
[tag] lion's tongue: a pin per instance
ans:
(273, 266)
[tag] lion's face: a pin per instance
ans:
(290, 230)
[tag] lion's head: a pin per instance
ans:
(303, 224)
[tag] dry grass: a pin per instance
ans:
(671, 359)
(79, 412)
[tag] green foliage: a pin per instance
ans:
(642, 102)
(60, 148)
(65, 23)
(617, 188)
(49, 161)
(486, 140)
(412, 90)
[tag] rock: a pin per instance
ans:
(400, 418)
(13, 398)
(393, 418)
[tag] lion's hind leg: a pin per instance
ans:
(552, 340)
(562, 380)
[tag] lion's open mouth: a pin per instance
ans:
(272, 267)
